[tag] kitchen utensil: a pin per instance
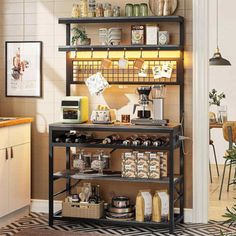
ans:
(120, 215)
(157, 6)
(143, 102)
(120, 202)
(120, 210)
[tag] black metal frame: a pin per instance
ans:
(173, 132)
(172, 181)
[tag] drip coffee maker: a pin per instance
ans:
(144, 114)
(143, 102)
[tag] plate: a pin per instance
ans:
(120, 219)
(154, 9)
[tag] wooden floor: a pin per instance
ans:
(218, 207)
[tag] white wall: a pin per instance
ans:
(223, 78)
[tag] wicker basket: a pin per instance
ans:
(82, 210)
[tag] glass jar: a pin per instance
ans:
(136, 10)
(129, 9)
(143, 9)
(75, 11)
(99, 10)
(83, 6)
(222, 114)
(107, 10)
(116, 11)
(78, 162)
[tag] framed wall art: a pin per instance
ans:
(23, 68)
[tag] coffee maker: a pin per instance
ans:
(144, 115)
(143, 102)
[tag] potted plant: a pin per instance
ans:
(215, 99)
(80, 37)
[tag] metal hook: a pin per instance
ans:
(91, 53)
(108, 53)
(124, 52)
(76, 53)
(141, 52)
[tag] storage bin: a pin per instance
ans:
(82, 210)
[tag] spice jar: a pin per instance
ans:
(116, 11)
(92, 8)
(75, 10)
(129, 9)
(107, 10)
(83, 5)
(99, 10)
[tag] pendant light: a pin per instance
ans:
(217, 59)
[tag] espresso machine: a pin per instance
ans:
(143, 114)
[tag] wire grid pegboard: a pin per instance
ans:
(83, 68)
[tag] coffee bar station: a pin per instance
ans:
(148, 145)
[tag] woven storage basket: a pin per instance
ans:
(82, 210)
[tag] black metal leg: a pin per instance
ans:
(210, 171)
(181, 205)
(50, 180)
(230, 168)
(217, 168)
(68, 181)
(222, 181)
(171, 187)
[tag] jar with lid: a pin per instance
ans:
(75, 11)
(116, 11)
(143, 9)
(97, 163)
(99, 10)
(83, 5)
(78, 162)
(136, 10)
(129, 9)
(107, 10)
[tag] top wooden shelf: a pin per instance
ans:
(122, 19)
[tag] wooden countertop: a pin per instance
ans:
(17, 121)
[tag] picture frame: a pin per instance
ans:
(23, 68)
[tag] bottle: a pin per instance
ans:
(93, 197)
(139, 208)
(137, 142)
(156, 208)
(97, 193)
(70, 137)
(111, 138)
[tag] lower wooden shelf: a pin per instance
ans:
(177, 219)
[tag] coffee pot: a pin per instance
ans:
(143, 102)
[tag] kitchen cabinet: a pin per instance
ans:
(14, 168)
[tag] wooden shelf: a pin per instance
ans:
(113, 177)
(123, 19)
(121, 48)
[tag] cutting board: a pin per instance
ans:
(153, 4)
